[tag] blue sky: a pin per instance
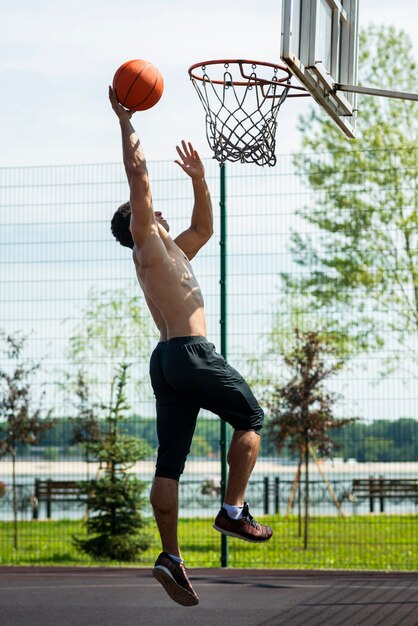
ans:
(57, 58)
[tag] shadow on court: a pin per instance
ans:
(131, 597)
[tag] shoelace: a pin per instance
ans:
(246, 513)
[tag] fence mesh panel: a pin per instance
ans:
(62, 273)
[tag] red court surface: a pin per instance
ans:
(131, 597)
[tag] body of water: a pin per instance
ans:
(269, 489)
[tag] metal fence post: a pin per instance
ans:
(266, 495)
(371, 494)
(223, 318)
(382, 494)
(277, 494)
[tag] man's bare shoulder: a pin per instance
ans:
(157, 252)
(151, 250)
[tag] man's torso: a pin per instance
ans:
(171, 290)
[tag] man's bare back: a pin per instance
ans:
(170, 287)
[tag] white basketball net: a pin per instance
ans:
(241, 109)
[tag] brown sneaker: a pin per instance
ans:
(244, 528)
(173, 577)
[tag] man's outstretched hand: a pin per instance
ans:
(121, 112)
(190, 160)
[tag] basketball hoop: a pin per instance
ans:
(241, 102)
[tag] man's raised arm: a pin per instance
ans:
(201, 227)
(142, 214)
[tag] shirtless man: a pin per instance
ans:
(186, 372)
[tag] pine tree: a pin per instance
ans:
(116, 526)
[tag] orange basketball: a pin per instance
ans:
(138, 85)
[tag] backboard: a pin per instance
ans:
(319, 45)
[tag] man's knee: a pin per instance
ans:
(246, 438)
(173, 472)
(249, 423)
(257, 422)
(164, 494)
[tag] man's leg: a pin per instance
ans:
(165, 501)
(169, 570)
(202, 375)
(242, 456)
(234, 518)
(176, 421)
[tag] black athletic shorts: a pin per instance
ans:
(187, 374)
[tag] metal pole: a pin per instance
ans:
(223, 442)
(369, 91)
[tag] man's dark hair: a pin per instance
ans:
(120, 225)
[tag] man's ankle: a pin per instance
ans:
(234, 512)
(175, 558)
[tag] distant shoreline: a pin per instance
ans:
(205, 468)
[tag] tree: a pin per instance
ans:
(86, 425)
(115, 499)
(20, 423)
(301, 410)
(114, 328)
(362, 263)
(381, 441)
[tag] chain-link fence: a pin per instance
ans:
(70, 290)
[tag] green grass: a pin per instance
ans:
(376, 542)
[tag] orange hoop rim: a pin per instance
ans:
(254, 81)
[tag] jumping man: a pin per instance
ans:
(186, 372)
